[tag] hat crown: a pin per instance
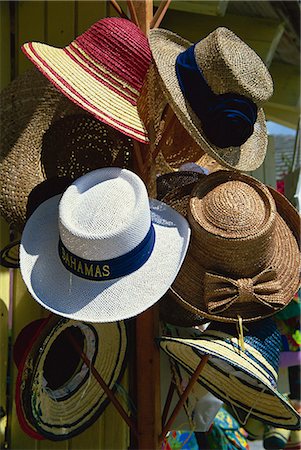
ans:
(229, 65)
(120, 46)
(233, 223)
(104, 214)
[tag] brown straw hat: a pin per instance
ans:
(243, 258)
(216, 88)
(44, 135)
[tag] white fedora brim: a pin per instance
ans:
(67, 295)
(235, 377)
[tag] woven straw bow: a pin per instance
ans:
(221, 292)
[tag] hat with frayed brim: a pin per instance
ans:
(243, 258)
(57, 397)
(103, 251)
(102, 71)
(245, 379)
(227, 83)
(44, 135)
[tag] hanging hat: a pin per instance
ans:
(57, 397)
(103, 251)
(243, 258)
(102, 71)
(44, 135)
(245, 379)
(216, 87)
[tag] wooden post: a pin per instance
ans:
(147, 380)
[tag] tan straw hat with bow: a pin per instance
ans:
(216, 87)
(243, 259)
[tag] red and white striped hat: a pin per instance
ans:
(102, 71)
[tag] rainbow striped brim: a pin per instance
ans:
(102, 71)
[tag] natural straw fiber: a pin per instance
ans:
(44, 136)
(102, 71)
(229, 66)
(56, 393)
(244, 379)
(241, 231)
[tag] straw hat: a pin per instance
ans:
(43, 136)
(243, 258)
(102, 71)
(245, 379)
(103, 251)
(57, 397)
(216, 87)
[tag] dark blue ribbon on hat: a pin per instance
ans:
(227, 119)
(104, 270)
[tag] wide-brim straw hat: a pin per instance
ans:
(44, 136)
(57, 397)
(245, 378)
(243, 259)
(228, 66)
(102, 251)
(102, 71)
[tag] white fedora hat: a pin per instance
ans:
(102, 251)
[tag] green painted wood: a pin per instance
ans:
(283, 116)
(5, 66)
(209, 7)
(286, 84)
(30, 26)
(258, 33)
(87, 13)
(60, 23)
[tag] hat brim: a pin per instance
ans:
(286, 258)
(66, 412)
(219, 376)
(70, 296)
(166, 46)
(93, 92)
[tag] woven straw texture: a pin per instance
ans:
(102, 215)
(102, 71)
(240, 228)
(44, 136)
(229, 65)
(243, 379)
(60, 402)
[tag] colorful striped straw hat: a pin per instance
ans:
(103, 251)
(43, 136)
(235, 214)
(243, 377)
(216, 87)
(57, 397)
(102, 71)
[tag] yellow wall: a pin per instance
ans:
(56, 23)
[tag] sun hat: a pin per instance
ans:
(102, 71)
(45, 135)
(57, 397)
(235, 214)
(216, 87)
(243, 378)
(102, 251)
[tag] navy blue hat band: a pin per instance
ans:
(227, 119)
(109, 269)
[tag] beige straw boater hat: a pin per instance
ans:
(102, 71)
(243, 259)
(57, 397)
(103, 251)
(244, 377)
(216, 87)
(44, 135)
